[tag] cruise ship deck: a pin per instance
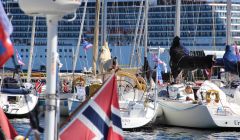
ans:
(203, 27)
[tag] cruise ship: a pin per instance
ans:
(203, 27)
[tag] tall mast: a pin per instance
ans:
(104, 22)
(228, 31)
(75, 58)
(96, 32)
(31, 50)
(146, 29)
(178, 16)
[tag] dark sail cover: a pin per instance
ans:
(230, 61)
(181, 60)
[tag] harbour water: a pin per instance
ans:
(153, 133)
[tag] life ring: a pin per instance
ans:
(212, 92)
(78, 80)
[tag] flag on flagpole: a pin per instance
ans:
(6, 47)
(159, 61)
(86, 45)
(19, 58)
(99, 118)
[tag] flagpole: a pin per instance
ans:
(53, 11)
(50, 113)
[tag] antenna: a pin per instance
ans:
(53, 10)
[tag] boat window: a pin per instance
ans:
(65, 50)
(12, 99)
(26, 50)
(22, 50)
(60, 50)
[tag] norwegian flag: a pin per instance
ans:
(99, 118)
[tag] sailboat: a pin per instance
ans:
(17, 99)
(197, 105)
(138, 107)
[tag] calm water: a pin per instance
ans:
(154, 133)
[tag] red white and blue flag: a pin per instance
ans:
(99, 118)
(86, 45)
(19, 59)
(6, 47)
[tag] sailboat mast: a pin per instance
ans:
(31, 50)
(228, 31)
(178, 16)
(79, 38)
(104, 22)
(146, 29)
(96, 32)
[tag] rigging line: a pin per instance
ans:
(139, 51)
(213, 27)
(197, 24)
(31, 49)
(79, 37)
(64, 54)
(136, 31)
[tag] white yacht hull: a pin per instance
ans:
(137, 114)
(197, 116)
(18, 104)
